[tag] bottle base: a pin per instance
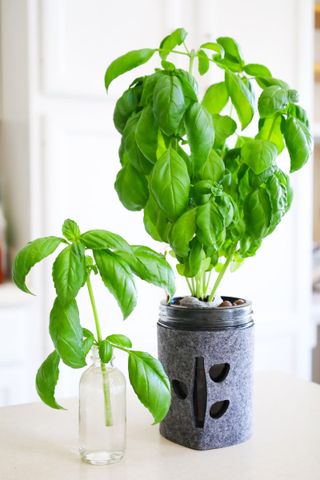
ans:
(100, 457)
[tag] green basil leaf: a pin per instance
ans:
(162, 144)
(168, 66)
(105, 351)
(155, 221)
(125, 107)
(117, 277)
(66, 333)
(300, 113)
(248, 84)
(265, 82)
(213, 168)
(241, 140)
(31, 254)
(285, 182)
(170, 184)
(127, 62)
(259, 155)
(188, 84)
(244, 184)
(216, 98)
(187, 159)
(231, 48)
(257, 180)
(134, 154)
(249, 246)
(117, 339)
(132, 198)
(293, 96)
(200, 133)
(47, 379)
(227, 208)
(224, 127)
(277, 193)
(298, 141)
(171, 41)
(102, 239)
(241, 98)
(210, 225)
(87, 333)
(257, 213)
(227, 64)
(213, 256)
(147, 134)
(88, 340)
(68, 272)
(123, 156)
(203, 62)
(153, 268)
(71, 230)
(270, 129)
(232, 55)
(168, 103)
(137, 82)
(148, 87)
(215, 47)
(87, 344)
(149, 219)
(257, 70)
(150, 383)
(193, 262)
(272, 100)
(182, 233)
(202, 192)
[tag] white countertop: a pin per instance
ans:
(37, 443)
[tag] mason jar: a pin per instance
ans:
(208, 356)
(102, 413)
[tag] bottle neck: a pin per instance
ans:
(95, 359)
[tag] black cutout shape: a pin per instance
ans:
(219, 372)
(180, 389)
(219, 408)
(199, 393)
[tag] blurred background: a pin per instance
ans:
(59, 159)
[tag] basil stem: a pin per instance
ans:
(105, 380)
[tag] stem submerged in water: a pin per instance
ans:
(105, 379)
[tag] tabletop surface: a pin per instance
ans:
(39, 443)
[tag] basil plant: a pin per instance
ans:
(208, 189)
(109, 255)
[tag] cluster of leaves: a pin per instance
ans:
(116, 262)
(206, 199)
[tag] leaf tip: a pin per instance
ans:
(106, 81)
(25, 289)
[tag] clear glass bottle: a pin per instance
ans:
(102, 413)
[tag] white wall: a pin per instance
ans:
(72, 153)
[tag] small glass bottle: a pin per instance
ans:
(102, 413)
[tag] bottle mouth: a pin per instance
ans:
(182, 317)
(94, 354)
(95, 358)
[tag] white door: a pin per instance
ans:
(73, 150)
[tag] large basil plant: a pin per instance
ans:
(207, 189)
(109, 255)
